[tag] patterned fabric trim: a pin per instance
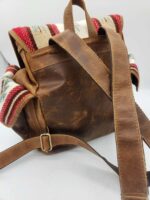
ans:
(36, 37)
(13, 97)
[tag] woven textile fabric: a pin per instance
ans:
(36, 37)
(13, 97)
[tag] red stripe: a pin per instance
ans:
(14, 108)
(49, 27)
(134, 66)
(14, 67)
(118, 22)
(96, 24)
(8, 100)
(26, 36)
(53, 29)
(32, 38)
(11, 70)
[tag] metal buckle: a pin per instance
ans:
(50, 142)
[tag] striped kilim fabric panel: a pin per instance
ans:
(36, 37)
(13, 97)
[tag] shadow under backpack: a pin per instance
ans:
(74, 84)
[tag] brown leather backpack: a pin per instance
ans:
(80, 89)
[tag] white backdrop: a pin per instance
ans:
(74, 174)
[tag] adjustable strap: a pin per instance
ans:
(47, 143)
(132, 170)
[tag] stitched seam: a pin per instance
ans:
(137, 126)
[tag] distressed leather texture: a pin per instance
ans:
(82, 89)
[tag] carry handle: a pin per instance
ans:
(68, 17)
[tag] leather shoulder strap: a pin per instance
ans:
(129, 143)
(42, 142)
(18, 150)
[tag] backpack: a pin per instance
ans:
(74, 84)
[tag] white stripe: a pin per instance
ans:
(6, 90)
(108, 23)
(80, 28)
(60, 27)
(41, 35)
(131, 59)
(8, 74)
